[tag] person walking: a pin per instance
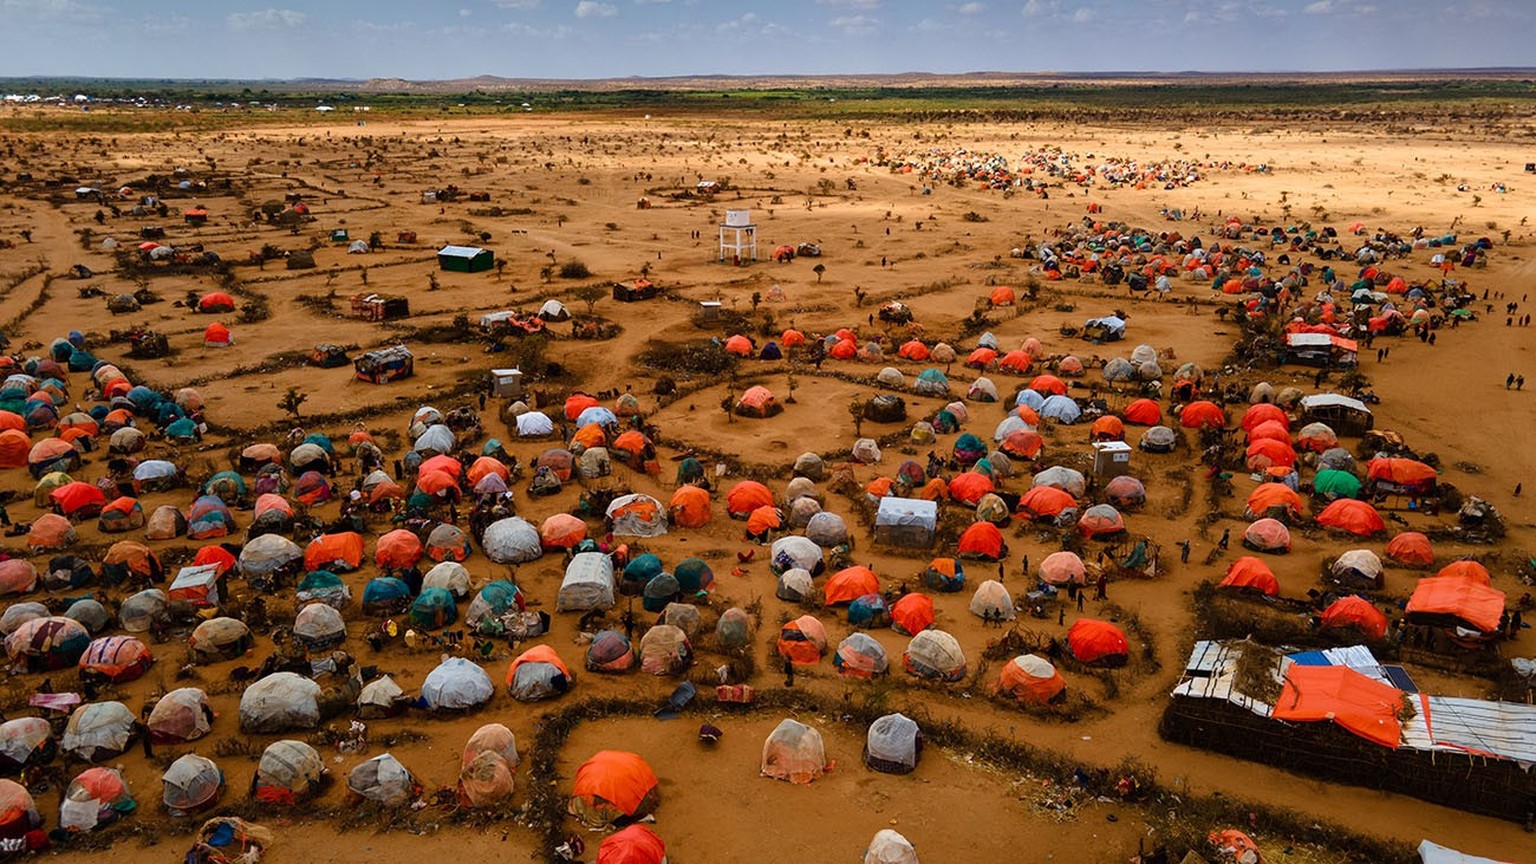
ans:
(1101, 587)
(1519, 382)
(1183, 551)
(1226, 538)
(1509, 381)
(1080, 596)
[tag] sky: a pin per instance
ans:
(440, 39)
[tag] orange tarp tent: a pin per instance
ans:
(577, 403)
(1095, 641)
(1467, 569)
(1202, 414)
(636, 844)
(1362, 705)
(1107, 428)
(1269, 495)
(1411, 547)
(739, 345)
(14, 447)
(537, 654)
(981, 358)
(849, 584)
(802, 641)
(968, 487)
(1048, 384)
(1250, 573)
(1356, 517)
(1356, 612)
(335, 552)
(486, 466)
(764, 519)
(588, 436)
(1263, 413)
(398, 550)
(562, 531)
(1267, 452)
(1031, 680)
(1143, 412)
(1023, 443)
(1045, 502)
(689, 507)
(1403, 472)
(981, 540)
(1271, 430)
(913, 349)
(1002, 295)
(1016, 362)
(746, 496)
(613, 777)
(1463, 599)
(913, 613)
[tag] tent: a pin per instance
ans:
(794, 586)
(1202, 415)
(636, 515)
(588, 584)
(889, 847)
(746, 496)
(935, 654)
(636, 844)
(1125, 492)
(614, 785)
(794, 752)
(1097, 643)
(1100, 520)
(433, 609)
(1353, 517)
(118, 659)
(1410, 548)
(317, 627)
(268, 555)
(1267, 535)
(25, 741)
(860, 655)
(1250, 574)
(758, 401)
(280, 702)
(96, 797)
(1267, 497)
(456, 684)
(1357, 568)
(1362, 705)
(47, 644)
(191, 784)
(610, 651)
(850, 583)
(688, 507)
(1046, 503)
(180, 716)
(99, 731)
(450, 576)
(289, 772)
(795, 552)
(992, 602)
(382, 780)
(1356, 613)
(216, 335)
(802, 641)
(1453, 601)
(538, 673)
(338, 553)
(511, 541)
(893, 744)
(1030, 680)
(665, 650)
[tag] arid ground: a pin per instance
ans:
(565, 190)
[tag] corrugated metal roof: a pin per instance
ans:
(460, 251)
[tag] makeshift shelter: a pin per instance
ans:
(118, 659)
(289, 772)
(1353, 517)
(47, 644)
(1410, 548)
(1267, 535)
(936, 655)
(614, 785)
(511, 541)
(802, 641)
(636, 515)
(190, 785)
(1357, 568)
(588, 584)
(849, 584)
(992, 602)
(180, 716)
(893, 744)
(904, 522)
(794, 752)
(1251, 575)
(268, 555)
(1097, 643)
(95, 798)
(385, 365)
(795, 552)
(280, 702)
(456, 684)
(1361, 705)
(538, 673)
(1355, 613)
(889, 847)
(24, 742)
(383, 780)
(665, 650)
(610, 651)
(1030, 679)
(636, 844)
(465, 259)
(99, 731)
(860, 655)
(1454, 602)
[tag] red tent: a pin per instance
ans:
(1356, 612)
(1098, 643)
(1202, 414)
(1411, 547)
(851, 583)
(1143, 412)
(1250, 574)
(1362, 705)
(982, 540)
(912, 614)
(1353, 516)
(1263, 413)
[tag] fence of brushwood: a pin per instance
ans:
(1465, 781)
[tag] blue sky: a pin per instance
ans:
(422, 39)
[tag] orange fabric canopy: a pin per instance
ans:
(1403, 472)
(1045, 502)
(1478, 605)
(1411, 547)
(1356, 612)
(1263, 413)
(746, 496)
(1362, 705)
(689, 507)
(1468, 569)
(982, 540)
(850, 584)
(614, 776)
(1251, 573)
(1268, 495)
(1349, 514)
(1143, 412)
(1202, 414)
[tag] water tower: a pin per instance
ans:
(738, 238)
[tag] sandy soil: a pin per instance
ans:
(568, 190)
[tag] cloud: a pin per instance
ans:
(517, 4)
(1083, 15)
(1040, 8)
(266, 19)
(594, 9)
(856, 25)
(44, 9)
(1321, 7)
(866, 5)
(465, 13)
(971, 8)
